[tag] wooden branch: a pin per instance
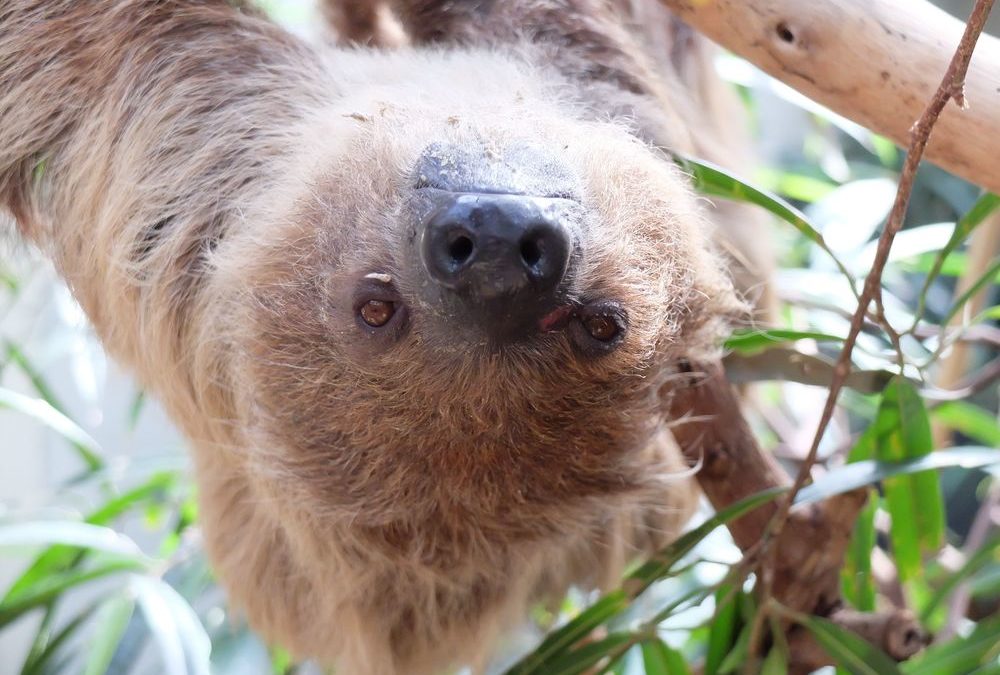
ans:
(710, 428)
(876, 62)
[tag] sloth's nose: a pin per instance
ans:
(489, 246)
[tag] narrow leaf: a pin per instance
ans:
(913, 501)
(849, 650)
(111, 623)
(716, 181)
(981, 210)
(961, 655)
(723, 629)
(970, 420)
(856, 574)
(45, 591)
(582, 659)
(659, 659)
(851, 476)
(752, 341)
(69, 533)
(42, 411)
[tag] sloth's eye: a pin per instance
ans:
(601, 328)
(376, 313)
(598, 327)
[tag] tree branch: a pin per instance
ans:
(873, 61)
(709, 427)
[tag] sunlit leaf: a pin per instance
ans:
(659, 659)
(794, 185)
(960, 655)
(849, 215)
(722, 631)
(739, 652)
(717, 182)
(639, 580)
(185, 648)
(970, 420)
(986, 278)
(988, 553)
(856, 574)
(52, 587)
(68, 533)
(111, 623)
(852, 476)
(61, 557)
(753, 340)
(135, 410)
(51, 645)
(847, 649)
(583, 658)
(776, 662)
(40, 410)
(914, 501)
(979, 212)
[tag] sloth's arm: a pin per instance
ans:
(131, 134)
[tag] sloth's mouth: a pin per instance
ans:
(556, 319)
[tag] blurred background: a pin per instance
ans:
(79, 441)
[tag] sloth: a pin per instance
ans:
(416, 308)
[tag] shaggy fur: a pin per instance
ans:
(213, 191)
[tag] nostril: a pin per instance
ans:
(531, 251)
(460, 250)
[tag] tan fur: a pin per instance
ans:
(211, 190)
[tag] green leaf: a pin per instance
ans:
(752, 340)
(776, 662)
(52, 587)
(970, 420)
(16, 356)
(184, 645)
(835, 482)
(582, 659)
(580, 627)
(68, 533)
(62, 557)
(138, 403)
(737, 656)
(981, 210)
(639, 580)
(986, 554)
(42, 411)
(986, 278)
(851, 476)
(722, 630)
(856, 574)
(659, 659)
(50, 645)
(795, 186)
(111, 624)
(961, 655)
(914, 501)
(717, 182)
(847, 649)
(660, 565)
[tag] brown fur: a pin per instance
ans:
(212, 190)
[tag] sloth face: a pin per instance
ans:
(467, 314)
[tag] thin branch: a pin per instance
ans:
(951, 87)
